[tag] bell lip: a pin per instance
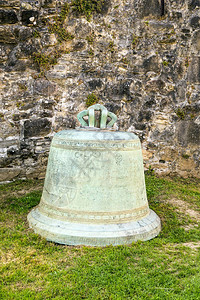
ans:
(95, 235)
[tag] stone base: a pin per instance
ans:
(92, 234)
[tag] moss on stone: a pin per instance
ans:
(90, 39)
(135, 40)
(91, 52)
(87, 7)
(45, 61)
(56, 25)
(60, 31)
(91, 99)
(125, 61)
(36, 34)
(22, 86)
(111, 46)
(165, 63)
(180, 113)
(168, 40)
(187, 62)
(186, 156)
(64, 12)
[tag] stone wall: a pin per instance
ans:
(141, 58)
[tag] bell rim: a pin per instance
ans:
(94, 234)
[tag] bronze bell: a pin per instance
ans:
(94, 191)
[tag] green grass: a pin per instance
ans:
(167, 267)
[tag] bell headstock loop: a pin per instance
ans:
(105, 119)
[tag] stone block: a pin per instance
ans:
(119, 91)
(194, 4)
(4, 52)
(44, 87)
(161, 121)
(95, 83)
(168, 154)
(156, 85)
(48, 39)
(195, 22)
(38, 127)
(49, 3)
(146, 154)
(185, 166)
(196, 41)
(8, 143)
(7, 35)
(38, 173)
(26, 6)
(65, 122)
(24, 33)
(194, 70)
(7, 174)
(150, 7)
(29, 17)
(9, 3)
(188, 132)
(151, 64)
(8, 17)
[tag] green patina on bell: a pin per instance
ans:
(94, 191)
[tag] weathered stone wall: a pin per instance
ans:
(141, 58)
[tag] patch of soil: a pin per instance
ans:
(192, 245)
(4, 194)
(185, 208)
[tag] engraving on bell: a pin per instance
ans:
(94, 191)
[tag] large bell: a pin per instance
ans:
(94, 191)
